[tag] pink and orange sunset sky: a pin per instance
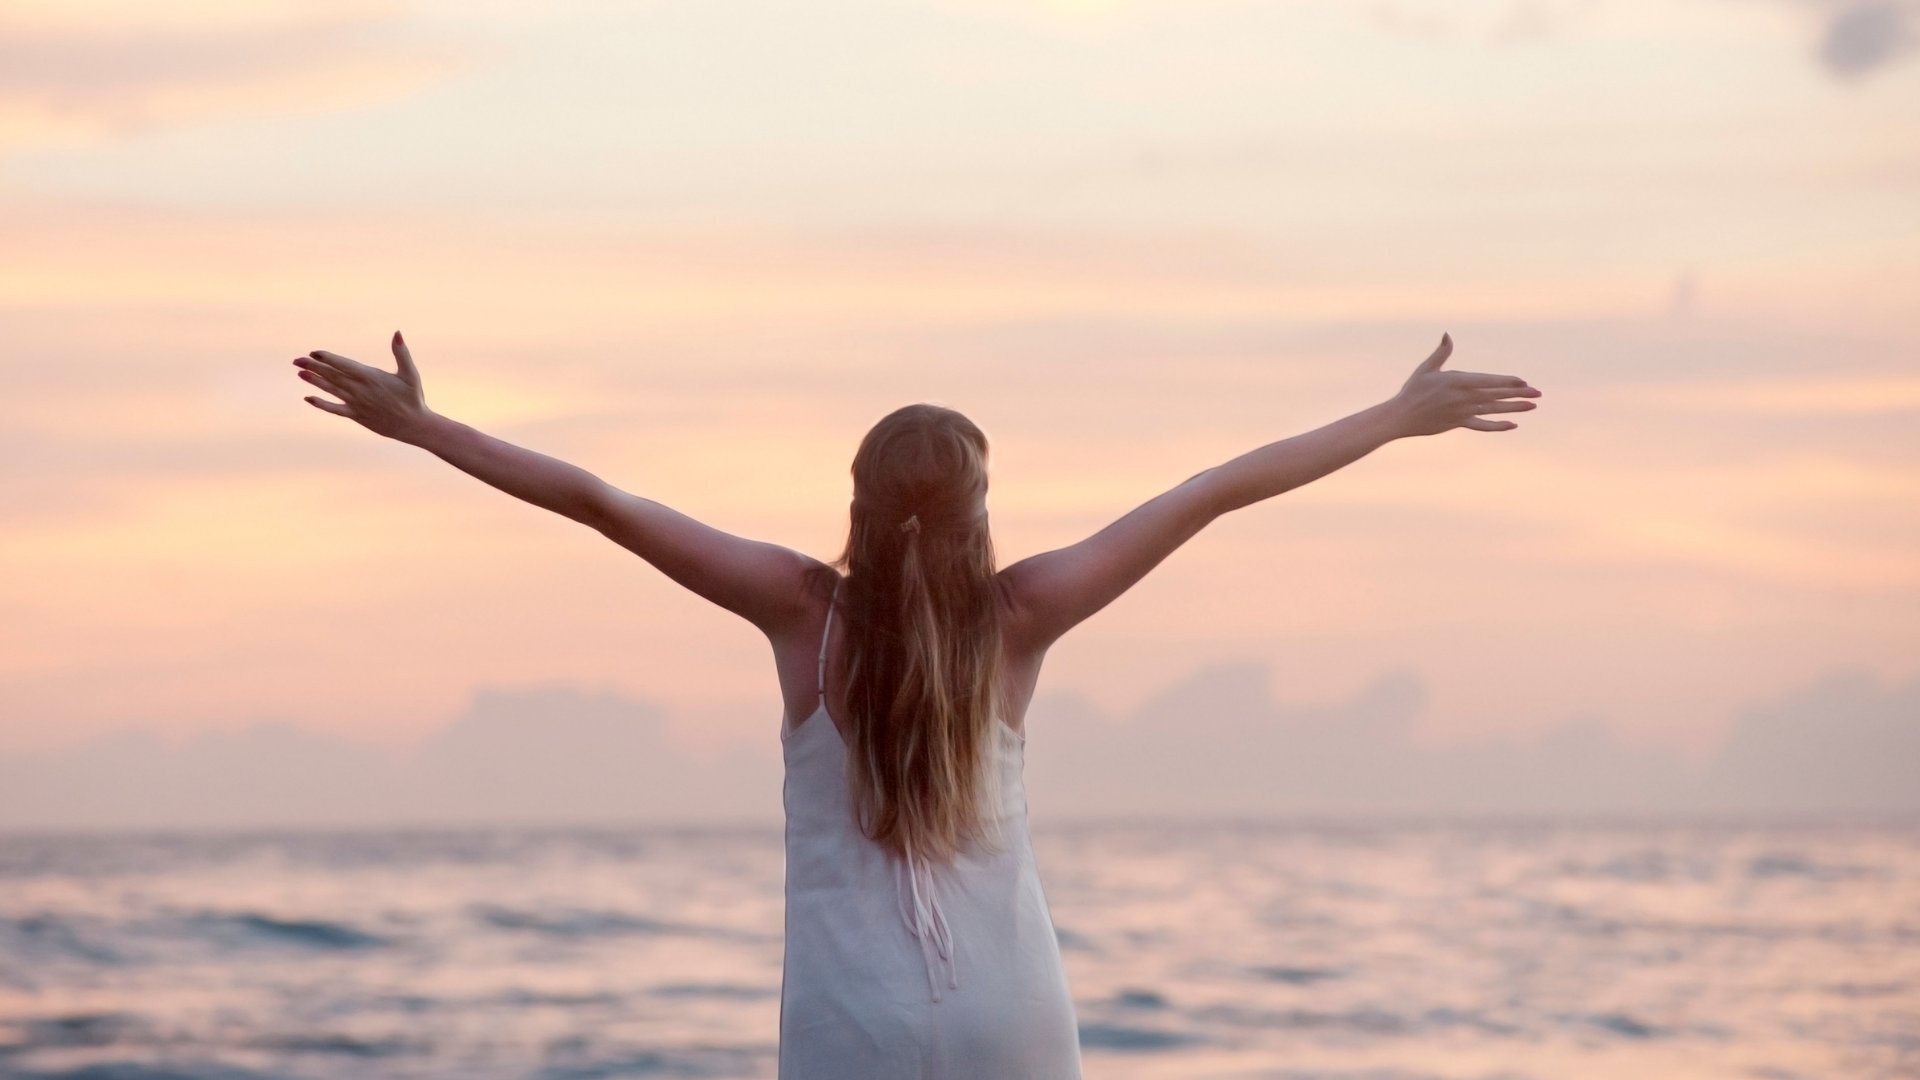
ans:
(698, 248)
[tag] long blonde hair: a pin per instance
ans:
(921, 610)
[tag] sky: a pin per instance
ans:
(699, 248)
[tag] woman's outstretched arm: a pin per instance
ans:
(1056, 590)
(758, 581)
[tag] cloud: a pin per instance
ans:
(1856, 36)
(1216, 743)
(1818, 394)
(1400, 20)
(561, 752)
(64, 79)
(1843, 742)
(1219, 744)
(540, 754)
(1504, 22)
(1863, 35)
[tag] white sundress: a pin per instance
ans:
(909, 970)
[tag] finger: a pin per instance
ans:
(1432, 363)
(1481, 396)
(1478, 424)
(1504, 391)
(1503, 406)
(347, 364)
(404, 356)
(328, 406)
(1479, 379)
(323, 383)
(327, 367)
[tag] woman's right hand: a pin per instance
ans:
(384, 402)
(1433, 401)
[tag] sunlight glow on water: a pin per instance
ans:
(1378, 952)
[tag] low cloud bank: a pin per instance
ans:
(1216, 743)
(539, 755)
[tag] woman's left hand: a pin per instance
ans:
(1433, 401)
(384, 402)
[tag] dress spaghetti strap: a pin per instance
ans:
(824, 635)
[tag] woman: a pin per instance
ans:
(919, 942)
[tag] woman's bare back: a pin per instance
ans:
(795, 658)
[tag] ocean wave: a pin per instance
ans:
(1131, 1039)
(718, 991)
(1590, 923)
(1648, 867)
(549, 999)
(1297, 976)
(1073, 941)
(252, 927)
(340, 1044)
(1778, 864)
(689, 1064)
(49, 936)
(570, 923)
(1369, 1021)
(141, 1070)
(1625, 1024)
(39, 940)
(1364, 1020)
(72, 1030)
(1867, 989)
(1140, 999)
(581, 923)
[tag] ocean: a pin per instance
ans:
(1304, 951)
